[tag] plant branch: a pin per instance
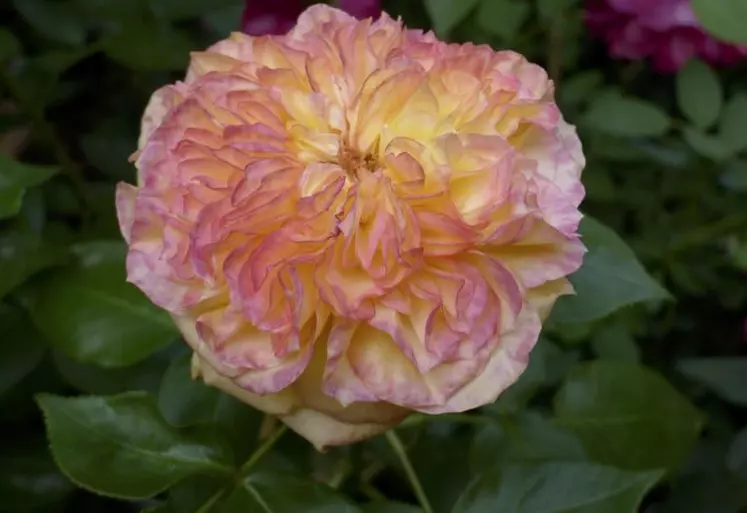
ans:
(211, 501)
(262, 450)
(417, 488)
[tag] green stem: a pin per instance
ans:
(371, 492)
(211, 501)
(399, 449)
(370, 472)
(246, 467)
(262, 450)
(342, 472)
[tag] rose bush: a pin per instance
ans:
(341, 272)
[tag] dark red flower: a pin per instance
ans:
(666, 31)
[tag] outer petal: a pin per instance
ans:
(323, 430)
(543, 297)
(317, 18)
(162, 101)
(505, 366)
(540, 255)
(274, 404)
(125, 201)
(303, 407)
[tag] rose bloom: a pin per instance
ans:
(665, 30)
(263, 17)
(355, 221)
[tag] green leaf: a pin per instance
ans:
(526, 437)
(191, 494)
(112, 14)
(615, 342)
(17, 407)
(503, 18)
(149, 46)
(106, 225)
(699, 93)
(706, 492)
(220, 22)
(161, 508)
(734, 176)
(580, 87)
(628, 117)
(557, 488)
(53, 20)
(609, 279)
(547, 365)
(120, 446)
(441, 459)
(736, 458)
(737, 250)
(184, 9)
(33, 213)
(92, 379)
(184, 401)
(269, 492)
(15, 178)
(723, 18)
(389, 507)
(726, 377)
(550, 10)
(23, 253)
(21, 348)
(627, 416)
(447, 14)
(731, 127)
(706, 484)
(109, 147)
(9, 45)
(706, 145)
(93, 315)
(29, 477)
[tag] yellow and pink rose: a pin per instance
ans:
(355, 221)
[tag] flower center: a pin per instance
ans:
(355, 162)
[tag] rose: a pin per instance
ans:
(355, 221)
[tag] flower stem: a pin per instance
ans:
(262, 450)
(205, 508)
(371, 492)
(399, 449)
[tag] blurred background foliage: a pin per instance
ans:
(636, 395)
